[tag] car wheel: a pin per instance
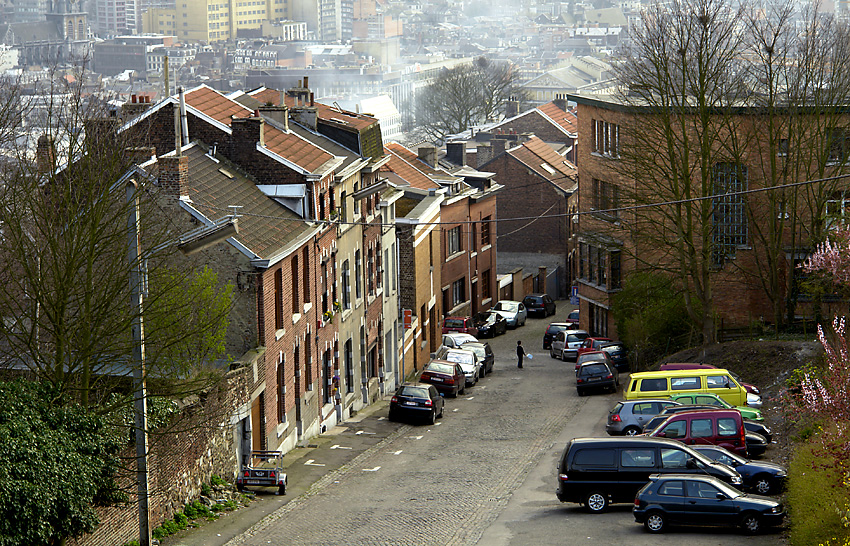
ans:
(580, 392)
(433, 417)
(563, 357)
(763, 485)
(240, 487)
(631, 431)
(281, 489)
(483, 373)
(551, 353)
(463, 390)
(392, 417)
(655, 522)
(596, 502)
(750, 523)
(442, 408)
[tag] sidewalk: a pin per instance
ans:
(304, 466)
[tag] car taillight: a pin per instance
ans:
(425, 376)
(615, 418)
(450, 380)
(563, 477)
(429, 403)
(609, 376)
(394, 400)
(637, 502)
(579, 380)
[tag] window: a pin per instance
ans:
(348, 363)
(327, 377)
(484, 279)
(343, 207)
(702, 490)
(606, 138)
(305, 273)
(649, 385)
(458, 292)
(358, 268)
(453, 242)
(839, 145)
(278, 299)
(726, 426)
(729, 220)
(595, 457)
(783, 147)
(591, 269)
(719, 382)
(637, 458)
(606, 197)
(671, 488)
(701, 428)
(296, 306)
(582, 256)
(684, 383)
(673, 458)
(485, 231)
(615, 280)
(281, 391)
(370, 272)
(324, 279)
(346, 286)
(385, 267)
(676, 429)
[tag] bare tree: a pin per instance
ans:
(464, 96)
(682, 88)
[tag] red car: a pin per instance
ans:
(464, 325)
(447, 377)
(591, 344)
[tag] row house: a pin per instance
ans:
(314, 313)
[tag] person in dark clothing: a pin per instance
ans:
(520, 352)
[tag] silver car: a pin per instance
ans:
(566, 344)
(455, 339)
(629, 417)
(468, 361)
(513, 311)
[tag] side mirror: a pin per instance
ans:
(721, 496)
(691, 464)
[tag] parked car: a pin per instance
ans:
(689, 499)
(490, 324)
(464, 325)
(629, 417)
(708, 399)
(591, 344)
(418, 401)
(573, 316)
(513, 311)
(597, 376)
(551, 331)
(447, 377)
(695, 365)
(539, 304)
(723, 427)
(456, 339)
(565, 344)
(759, 477)
(484, 353)
(593, 356)
(599, 471)
(619, 354)
(756, 444)
(671, 382)
(749, 425)
(467, 359)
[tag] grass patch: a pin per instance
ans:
(818, 500)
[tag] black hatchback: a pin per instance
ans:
(597, 375)
(702, 500)
(416, 400)
(619, 354)
(539, 304)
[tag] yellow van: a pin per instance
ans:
(662, 384)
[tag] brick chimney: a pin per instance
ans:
(136, 105)
(511, 108)
(45, 154)
(308, 116)
(101, 131)
(484, 153)
(174, 174)
(139, 154)
(456, 152)
(428, 155)
(499, 145)
(245, 133)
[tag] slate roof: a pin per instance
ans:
(265, 227)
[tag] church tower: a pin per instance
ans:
(69, 18)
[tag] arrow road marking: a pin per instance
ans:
(454, 409)
(359, 432)
(415, 437)
(312, 462)
(395, 452)
(372, 469)
(469, 397)
(382, 418)
(339, 447)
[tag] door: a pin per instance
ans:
(703, 506)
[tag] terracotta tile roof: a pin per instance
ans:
(410, 173)
(325, 112)
(266, 226)
(303, 153)
(543, 160)
(215, 105)
(265, 95)
(411, 157)
(566, 120)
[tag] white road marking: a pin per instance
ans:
(382, 418)
(395, 452)
(454, 409)
(359, 432)
(372, 469)
(339, 447)
(469, 398)
(415, 437)
(312, 462)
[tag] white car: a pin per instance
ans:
(456, 339)
(513, 311)
(468, 361)
(566, 343)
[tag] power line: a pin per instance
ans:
(544, 216)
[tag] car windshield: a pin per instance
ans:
(576, 338)
(590, 357)
(453, 323)
(506, 306)
(479, 350)
(722, 456)
(441, 368)
(461, 357)
(418, 392)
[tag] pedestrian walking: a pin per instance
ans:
(520, 352)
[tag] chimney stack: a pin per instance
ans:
(277, 114)
(456, 152)
(174, 175)
(561, 102)
(428, 155)
(45, 154)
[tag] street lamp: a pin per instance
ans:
(188, 243)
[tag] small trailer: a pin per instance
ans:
(269, 473)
